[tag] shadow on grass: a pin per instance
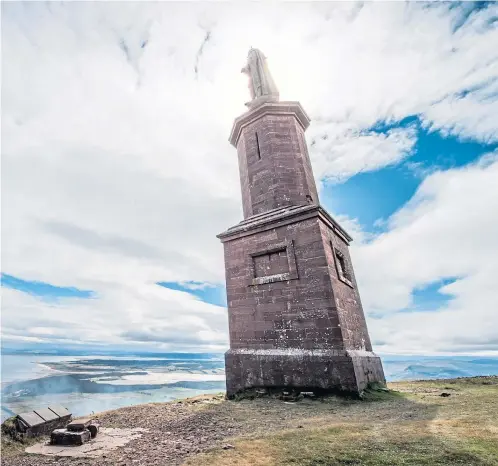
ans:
(385, 427)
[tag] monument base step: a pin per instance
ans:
(318, 371)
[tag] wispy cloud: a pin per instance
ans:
(447, 231)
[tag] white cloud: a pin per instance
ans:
(346, 154)
(117, 172)
(131, 317)
(471, 115)
(448, 230)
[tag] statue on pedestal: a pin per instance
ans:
(261, 84)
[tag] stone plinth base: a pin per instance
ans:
(306, 370)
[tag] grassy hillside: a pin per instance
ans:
(442, 422)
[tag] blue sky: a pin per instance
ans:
(43, 290)
(207, 292)
(429, 298)
(372, 196)
(117, 172)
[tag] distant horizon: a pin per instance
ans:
(118, 379)
(58, 351)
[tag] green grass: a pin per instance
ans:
(413, 425)
(356, 446)
(379, 394)
(353, 445)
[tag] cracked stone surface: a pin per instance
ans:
(107, 440)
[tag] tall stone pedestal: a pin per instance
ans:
(295, 315)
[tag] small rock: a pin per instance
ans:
(445, 394)
(228, 447)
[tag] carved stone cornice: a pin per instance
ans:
(268, 108)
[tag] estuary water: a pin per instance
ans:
(90, 384)
(87, 384)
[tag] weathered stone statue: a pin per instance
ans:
(261, 84)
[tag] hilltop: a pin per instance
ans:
(438, 422)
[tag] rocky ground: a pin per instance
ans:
(459, 415)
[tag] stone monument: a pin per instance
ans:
(295, 315)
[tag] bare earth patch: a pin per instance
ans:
(411, 425)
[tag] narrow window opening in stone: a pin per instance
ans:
(257, 146)
(343, 269)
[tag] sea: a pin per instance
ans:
(87, 384)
